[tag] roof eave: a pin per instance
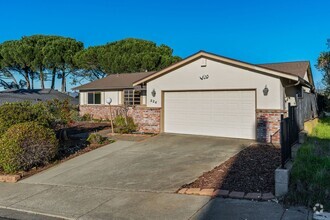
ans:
(217, 58)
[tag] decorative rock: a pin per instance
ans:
(267, 196)
(9, 178)
(254, 196)
(182, 191)
(236, 195)
(206, 192)
(193, 191)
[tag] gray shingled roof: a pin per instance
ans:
(126, 80)
(34, 95)
(115, 81)
(297, 68)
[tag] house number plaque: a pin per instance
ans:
(204, 77)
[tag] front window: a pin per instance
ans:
(131, 97)
(94, 98)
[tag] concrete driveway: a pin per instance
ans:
(160, 164)
(125, 180)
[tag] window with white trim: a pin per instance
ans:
(94, 98)
(131, 97)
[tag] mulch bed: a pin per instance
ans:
(251, 170)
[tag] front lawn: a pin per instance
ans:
(310, 177)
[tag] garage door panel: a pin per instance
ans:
(214, 113)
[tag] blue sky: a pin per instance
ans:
(252, 31)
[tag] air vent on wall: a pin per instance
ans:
(204, 62)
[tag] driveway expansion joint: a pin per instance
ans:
(42, 191)
(102, 188)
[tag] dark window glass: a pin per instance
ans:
(97, 98)
(90, 98)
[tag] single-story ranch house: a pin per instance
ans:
(204, 94)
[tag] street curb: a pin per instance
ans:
(36, 213)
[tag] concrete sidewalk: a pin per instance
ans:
(61, 202)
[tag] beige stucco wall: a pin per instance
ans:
(116, 97)
(290, 95)
(220, 76)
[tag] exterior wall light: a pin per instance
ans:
(265, 90)
(153, 93)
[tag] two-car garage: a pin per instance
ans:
(211, 95)
(213, 113)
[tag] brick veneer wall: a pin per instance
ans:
(268, 125)
(147, 119)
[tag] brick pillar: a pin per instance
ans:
(268, 125)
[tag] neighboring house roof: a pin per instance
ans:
(34, 95)
(298, 68)
(284, 72)
(115, 81)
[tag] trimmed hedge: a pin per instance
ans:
(26, 145)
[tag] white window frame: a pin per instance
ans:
(131, 97)
(94, 98)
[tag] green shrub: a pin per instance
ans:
(74, 115)
(124, 127)
(26, 145)
(87, 117)
(60, 110)
(95, 138)
(14, 113)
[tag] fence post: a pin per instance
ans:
(290, 122)
(282, 141)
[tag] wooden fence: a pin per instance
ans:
(305, 110)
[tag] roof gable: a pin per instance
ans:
(226, 60)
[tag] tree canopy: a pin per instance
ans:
(49, 58)
(36, 57)
(124, 56)
(323, 64)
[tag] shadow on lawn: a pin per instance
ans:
(310, 175)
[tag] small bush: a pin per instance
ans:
(14, 113)
(26, 145)
(124, 127)
(87, 117)
(60, 110)
(74, 115)
(95, 138)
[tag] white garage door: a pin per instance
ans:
(213, 113)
